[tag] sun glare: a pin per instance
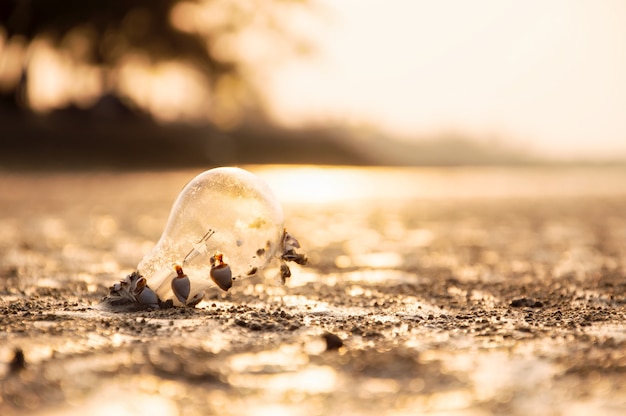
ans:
(315, 184)
(333, 184)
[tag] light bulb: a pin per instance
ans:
(226, 224)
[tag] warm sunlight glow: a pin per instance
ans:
(545, 73)
(169, 90)
(11, 57)
(313, 184)
(543, 78)
(56, 81)
(325, 185)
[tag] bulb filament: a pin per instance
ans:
(196, 250)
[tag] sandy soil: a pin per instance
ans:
(472, 306)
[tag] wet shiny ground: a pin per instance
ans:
(452, 291)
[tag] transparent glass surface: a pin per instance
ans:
(225, 211)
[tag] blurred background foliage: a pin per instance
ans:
(177, 60)
(148, 84)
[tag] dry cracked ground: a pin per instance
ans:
(466, 292)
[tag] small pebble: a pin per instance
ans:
(18, 362)
(333, 342)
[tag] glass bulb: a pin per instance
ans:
(224, 214)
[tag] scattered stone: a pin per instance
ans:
(333, 342)
(255, 326)
(18, 362)
(526, 303)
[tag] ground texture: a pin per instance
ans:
(468, 306)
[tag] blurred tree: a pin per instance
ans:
(177, 59)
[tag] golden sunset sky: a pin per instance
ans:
(545, 75)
